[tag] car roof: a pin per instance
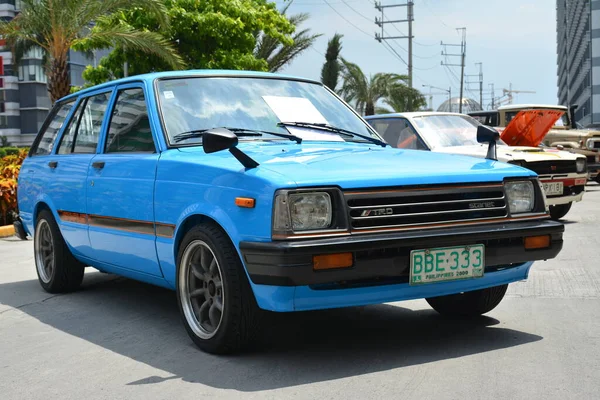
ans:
(519, 106)
(150, 77)
(412, 114)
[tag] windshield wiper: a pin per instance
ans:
(248, 132)
(197, 133)
(331, 128)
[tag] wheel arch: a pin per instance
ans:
(188, 223)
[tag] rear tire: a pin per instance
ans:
(559, 211)
(597, 178)
(469, 304)
(215, 300)
(58, 271)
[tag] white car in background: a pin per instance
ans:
(562, 174)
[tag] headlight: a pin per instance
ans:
(304, 211)
(580, 163)
(520, 195)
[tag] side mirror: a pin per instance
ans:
(219, 139)
(485, 134)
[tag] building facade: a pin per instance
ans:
(24, 98)
(578, 49)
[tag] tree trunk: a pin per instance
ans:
(369, 108)
(59, 80)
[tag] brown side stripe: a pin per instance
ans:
(123, 224)
(73, 217)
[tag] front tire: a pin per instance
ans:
(217, 305)
(559, 211)
(58, 271)
(469, 304)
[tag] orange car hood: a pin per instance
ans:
(529, 127)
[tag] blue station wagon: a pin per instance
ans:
(247, 191)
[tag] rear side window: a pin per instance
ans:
(46, 142)
(68, 138)
(90, 123)
(83, 131)
(129, 129)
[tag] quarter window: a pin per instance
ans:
(129, 129)
(90, 123)
(68, 137)
(46, 142)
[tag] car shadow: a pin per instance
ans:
(142, 322)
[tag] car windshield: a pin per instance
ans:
(260, 104)
(447, 130)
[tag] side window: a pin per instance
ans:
(68, 138)
(129, 129)
(46, 142)
(408, 139)
(90, 123)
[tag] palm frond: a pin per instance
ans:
(123, 35)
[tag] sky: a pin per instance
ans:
(515, 40)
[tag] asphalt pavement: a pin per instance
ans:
(120, 339)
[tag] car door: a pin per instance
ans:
(67, 183)
(40, 167)
(121, 187)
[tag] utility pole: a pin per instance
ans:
(493, 99)
(480, 83)
(462, 55)
(409, 18)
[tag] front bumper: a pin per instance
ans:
(381, 259)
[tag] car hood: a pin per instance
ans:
(509, 153)
(360, 165)
(529, 127)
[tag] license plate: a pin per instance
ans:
(446, 264)
(553, 188)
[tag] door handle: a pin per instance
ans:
(53, 164)
(98, 164)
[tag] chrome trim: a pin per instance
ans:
(448, 221)
(428, 203)
(432, 213)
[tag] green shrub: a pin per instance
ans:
(2, 152)
(11, 151)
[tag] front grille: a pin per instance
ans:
(591, 159)
(552, 167)
(597, 145)
(424, 206)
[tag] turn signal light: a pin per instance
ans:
(331, 261)
(245, 202)
(537, 242)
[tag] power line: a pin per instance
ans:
(437, 16)
(345, 19)
(356, 12)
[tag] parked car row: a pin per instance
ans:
(246, 191)
(563, 134)
(563, 174)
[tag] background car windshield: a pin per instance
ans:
(253, 103)
(447, 130)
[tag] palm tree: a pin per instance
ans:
(331, 69)
(56, 26)
(366, 92)
(402, 98)
(278, 55)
